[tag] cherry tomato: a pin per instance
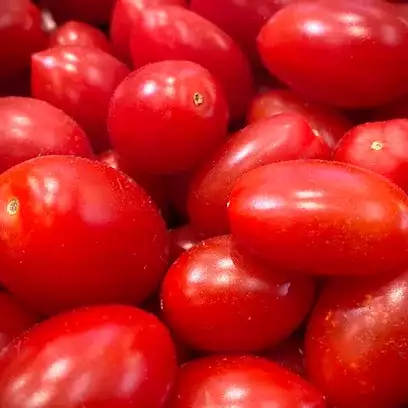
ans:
(241, 382)
(167, 117)
(31, 128)
(326, 122)
(217, 300)
(98, 357)
(356, 342)
(80, 81)
(282, 137)
(363, 67)
(321, 217)
(175, 33)
(76, 232)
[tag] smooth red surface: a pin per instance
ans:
(326, 122)
(167, 117)
(217, 300)
(241, 382)
(99, 357)
(283, 137)
(356, 342)
(175, 33)
(76, 232)
(80, 81)
(30, 128)
(363, 67)
(320, 217)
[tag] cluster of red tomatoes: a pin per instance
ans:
(203, 204)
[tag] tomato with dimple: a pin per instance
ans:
(282, 137)
(356, 342)
(319, 217)
(365, 65)
(216, 299)
(97, 357)
(75, 232)
(80, 81)
(241, 382)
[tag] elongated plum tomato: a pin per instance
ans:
(320, 217)
(175, 33)
(80, 81)
(76, 232)
(356, 339)
(102, 356)
(282, 137)
(30, 128)
(364, 67)
(167, 117)
(217, 300)
(241, 381)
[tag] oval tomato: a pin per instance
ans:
(321, 217)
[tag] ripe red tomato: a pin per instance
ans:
(282, 137)
(356, 342)
(30, 128)
(167, 117)
(217, 300)
(76, 232)
(175, 33)
(80, 81)
(242, 382)
(326, 122)
(363, 67)
(320, 217)
(98, 357)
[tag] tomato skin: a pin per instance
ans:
(175, 33)
(282, 137)
(121, 345)
(319, 217)
(89, 222)
(217, 300)
(242, 382)
(356, 339)
(296, 45)
(167, 117)
(80, 81)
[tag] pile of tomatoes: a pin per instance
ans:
(203, 204)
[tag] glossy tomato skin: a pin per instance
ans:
(30, 128)
(216, 299)
(326, 122)
(319, 217)
(283, 137)
(296, 45)
(175, 33)
(356, 339)
(76, 232)
(80, 81)
(167, 117)
(242, 382)
(98, 357)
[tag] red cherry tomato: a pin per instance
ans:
(167, 117)
(98, 357)
(241, 382)
(356, 342)
(76, 232)
(217, 300)
(326, 122)
(321, 217)
(30, 128)
(363, 67)
(80, 81)
(175, 33)
(282, 137)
